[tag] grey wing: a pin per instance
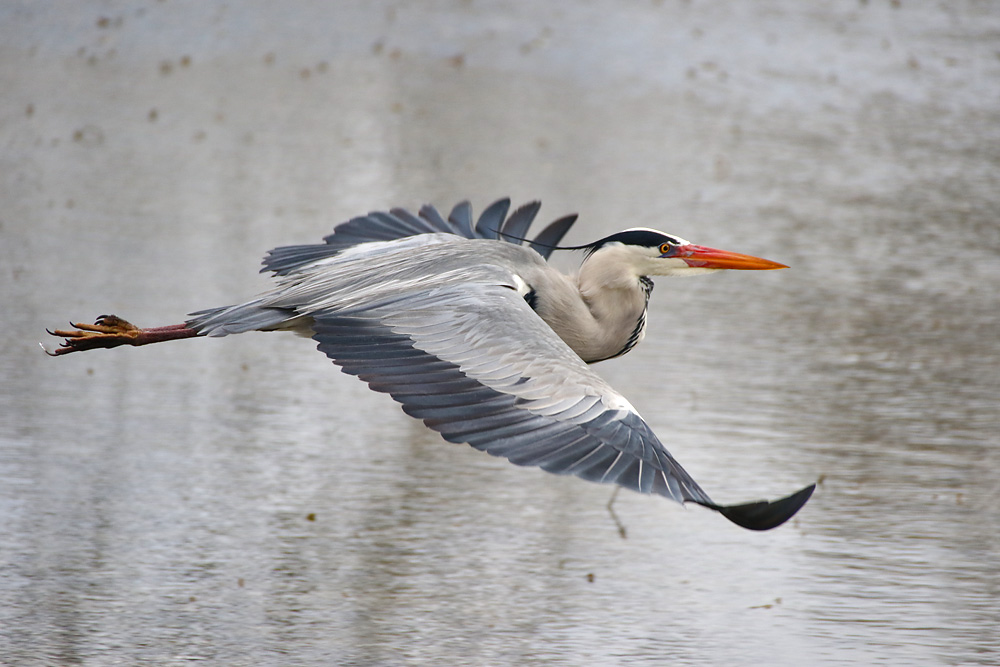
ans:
(477, 365)
(400, 223)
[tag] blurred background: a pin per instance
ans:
(241, 502)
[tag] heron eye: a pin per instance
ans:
(665, 248)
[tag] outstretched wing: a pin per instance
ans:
(399, 223)
(476, 364)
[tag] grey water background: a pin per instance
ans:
(241, 502)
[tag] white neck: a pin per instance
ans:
(600, 312)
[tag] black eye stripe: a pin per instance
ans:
(638, 237)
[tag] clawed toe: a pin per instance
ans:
(106, 331)
(105, 324)
(115, 323)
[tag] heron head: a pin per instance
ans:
(654, 253)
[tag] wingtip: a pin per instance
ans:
(765, 515)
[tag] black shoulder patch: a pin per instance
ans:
(532, 298)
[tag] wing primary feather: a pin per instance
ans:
(548, 459)
(416, 222)
(491, 219)
(481, 435)
(461, 216)
(480, 432)
(547, 434)
(611, 474)
(670, 488)
(594, 468)
(448, 409)
(516, 226)
(550, 237)
(539, 453)
(645, 477)
(581, 462)
(419, 383)
(400, 226)
(763, 514)
(431, 215)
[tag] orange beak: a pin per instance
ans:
(710, 258)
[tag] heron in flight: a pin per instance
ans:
(474, 333)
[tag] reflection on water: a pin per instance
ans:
(241, 502)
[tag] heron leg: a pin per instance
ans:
(614, 515)
(111, 331)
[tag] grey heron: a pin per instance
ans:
(474, 333)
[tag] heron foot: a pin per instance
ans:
(111, 331)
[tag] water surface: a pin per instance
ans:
(239, 501)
